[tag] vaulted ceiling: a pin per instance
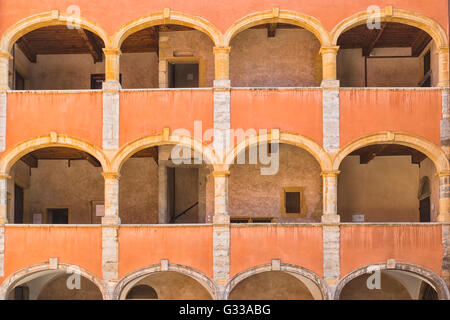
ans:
(368, 153)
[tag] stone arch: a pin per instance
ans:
(46, 19)
(40, 269)
(278, 16)
(126, 283)
(307, 144)
(287, 268)
(415, 270)
(131, 148)
(166, 17)
(51, 140)
(435, 153)
(389, 14)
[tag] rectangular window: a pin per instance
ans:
(58, 216)
(292, 202)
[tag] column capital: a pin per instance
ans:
(112, 51)
(221, 50)
(443, 174)
(327, 174)
(111, 175)
(4, 54)
(328, 49)
(218, 174)
(443, 50)
(5, 176)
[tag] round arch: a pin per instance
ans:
(41, 269)
(287, 268)
(279, 16)
(51, 140)
(390, 14)
(47, 19)
(166, 17)
(428, 148)
(307, 144)
(127, 282)
(435, 280)
(157, 140)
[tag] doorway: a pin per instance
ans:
(183, 75)
(18, 204)
(425, 212)
(58, 216)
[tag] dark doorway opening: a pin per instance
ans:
(183, 75)
(18, 204)
(58, 216)
(425, 212)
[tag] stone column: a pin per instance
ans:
(110, 230)
(444, 197)
(331, 115)
(221, 229)
(111, 109)
(446, 253)
(445, 122)
(3, 218)
(330, 229)
(329, 56)
(444, 77)
(222, 117)
(3, 106)
(222, 63)
(112, 64)
(4, 70)
(163, 215)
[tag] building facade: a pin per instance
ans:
(231, 150)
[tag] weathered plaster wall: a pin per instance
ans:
(273, 285)
(383, 190)
(391, 289)
(290, 59)
(427, 169)
(139, 70)
(255, 195)
(384, 72)
(176, 286)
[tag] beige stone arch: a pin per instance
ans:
(390, 14)
(51, 140)
(166, 17)
(428, 148)
(127, 282)
(294, 270)
(46, 19)
(164, 138)
(307, 144)
(279, 16)
(46, 268)
(414, 270)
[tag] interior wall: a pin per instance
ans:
(273, 285)
(254, 195)
(384, 190)
(186, 194)
(175, 286)
(290, 59)
(385, 72)
(427, 169)
(139, 70)
(57, 289)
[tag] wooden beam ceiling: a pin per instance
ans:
(58, 153)
(368, 153)
(92, 45)
(148, 153)
(271, 30)
(372, 39)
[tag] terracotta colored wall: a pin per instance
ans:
(78, 114)
(365, 112)
(143, 113)
(107, 14)
(28, 245)
(293, 110)
(256, 245)
(290, 59)
(145, 245)
(365, 244)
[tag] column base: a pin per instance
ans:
(111, 221)
(221, 219)
(331, 218)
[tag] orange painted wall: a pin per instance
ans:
(111, 14)
(33, 114)
(364, 112)
(363, 245)
(147, 245)
(292, 110)
(80, 246)
(256, 245)
(143, 113)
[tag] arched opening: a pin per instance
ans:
(54, 285)
(166, 184)
(56, 185)
(389, 285)
(142, 292)
(380, 183)
(167, 285)
(275, 183)
(57, 57)
(387, 54)
(276, 285)
(167, 56)
(275, 55)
